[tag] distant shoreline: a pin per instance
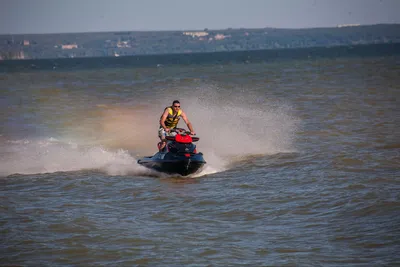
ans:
(133, 43)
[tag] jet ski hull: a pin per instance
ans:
(174, 164)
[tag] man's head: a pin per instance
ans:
(176, 104)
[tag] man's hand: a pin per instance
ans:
(192, 133)
(167, 130)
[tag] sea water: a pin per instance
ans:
(302, 154)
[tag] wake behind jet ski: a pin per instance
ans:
(179, 156)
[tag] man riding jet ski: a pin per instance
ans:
(176, 152)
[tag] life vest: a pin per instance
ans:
(172, 120)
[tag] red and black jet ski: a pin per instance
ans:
(179, 156)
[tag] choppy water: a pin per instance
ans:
(302, 168)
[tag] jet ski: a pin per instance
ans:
(179, 155)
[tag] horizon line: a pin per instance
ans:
(209, 29)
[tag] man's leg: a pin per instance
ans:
(161, 134)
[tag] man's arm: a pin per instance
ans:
(189, 125)
(163, 118)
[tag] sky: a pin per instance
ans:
(71, 16)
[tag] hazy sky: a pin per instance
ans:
(60, 16)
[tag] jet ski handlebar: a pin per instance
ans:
(180, 131)
(187, 137)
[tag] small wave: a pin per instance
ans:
(380, 208)
(390, 146)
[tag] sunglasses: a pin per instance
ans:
(176, 106)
